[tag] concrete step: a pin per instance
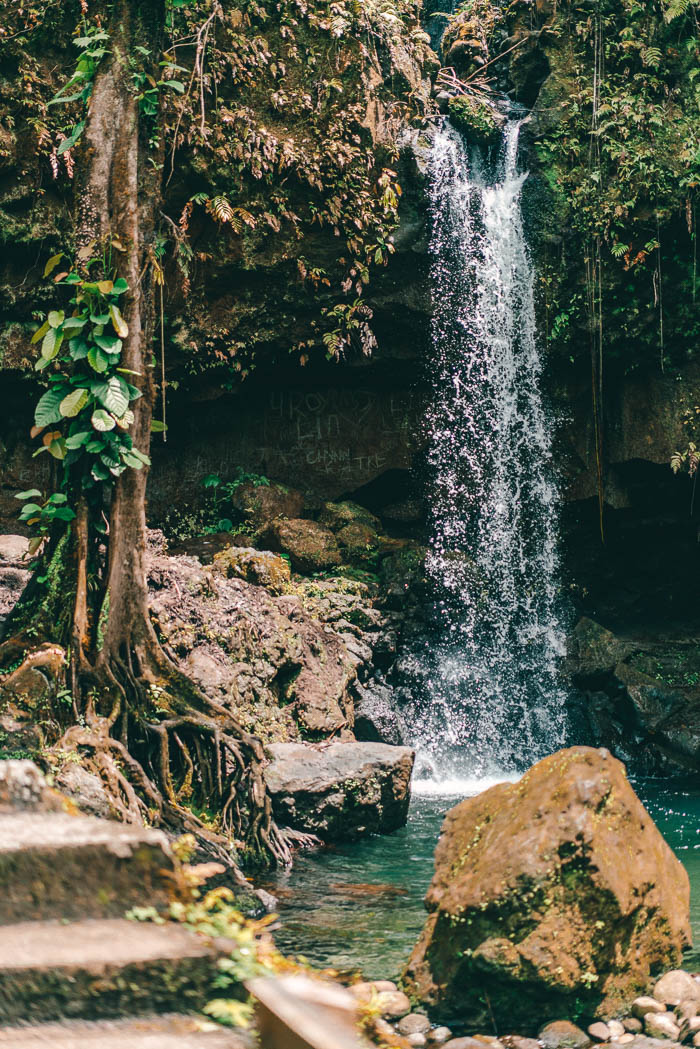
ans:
(101, 969)
(54, 865)
(151, 1032)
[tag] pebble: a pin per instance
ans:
(625, 1039)
(463, 1043)
(562, 1034)
(439, 1035)
(644, 1005)
(633, 1025)
(661, 1025)
(675, 987)
(617, 1029)
(414, 1023)
(599, 1031)
(393, 1004)
(516, 1042)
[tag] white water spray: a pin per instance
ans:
(491, 700)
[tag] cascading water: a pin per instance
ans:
(490, 701)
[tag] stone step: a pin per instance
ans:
(101, 969)
(150, 1032)
(55, 865)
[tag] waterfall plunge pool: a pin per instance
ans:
(359, 906)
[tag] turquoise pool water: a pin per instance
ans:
(360, 906)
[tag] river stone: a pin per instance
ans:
(562, 1034)
(646, 1004)
(414, 1023)
(517, 1042)
(616, 1028)
(696, 1040)
(599, 1031)
(393, 1004)
(675, 987)
(551, 894)
(687, 1009)
(661, 1025)
(417, 1039)
(632, 1025)
(440, 1035)
(594, 650)
(342, 790)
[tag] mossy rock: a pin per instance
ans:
(476, 118)
(338, 515)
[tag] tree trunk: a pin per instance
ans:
(154, 764)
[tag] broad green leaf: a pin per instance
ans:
(124, 421)
(131, 460)
(158, 426)
(40, 332)
(102, 421)
(120, 286)
(108, 343)
(99, 318)
(64, 513)
(113, 395)
(79, 349)
(176, 85)
(31, 508)
(56, 317)
(52, 263)
(31, 493)
(97, 359)
(73, 403)
(120, 325)
(49, 347)
(99, 473)
(77, 440)
(57, 499)
(74, 322)
(69, 142)
(48, 409)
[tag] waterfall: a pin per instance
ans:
(490, 700)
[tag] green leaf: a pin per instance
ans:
(57, 448)
(102, 421)
(31, 493)
(50, 344)
(79, 349)
(74, 402)
(56, 317)
(57, 499)
(120, 286)
(176, 85)
(40, 332)
(158, 426)
(77, 440)
(48, 409)
(113, 395)
(108, 343)
(64, 513)
(99, 318)
(69, 142)
(97, 359)
(52, 263)
(74, 322)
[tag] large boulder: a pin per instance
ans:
(342, 790)
(309, 546)
(260, 567)
(553, 896)
(260, 504)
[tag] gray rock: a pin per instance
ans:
(376, 719)
(661, 1025)
(675, 987)
(594, 650)
(342, 790)
(562, 1034)
(13, 548)
(414, 1023)
(85, 789)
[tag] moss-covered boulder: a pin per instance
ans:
(552, 896)
(476, 117)
(260, 504)
(261, 567)
(338, 515)
(309, 546)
